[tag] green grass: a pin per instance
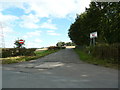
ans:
(38, 54)
(93, 60)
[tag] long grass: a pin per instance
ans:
(93, 60)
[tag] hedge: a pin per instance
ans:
(11, 52)
(55, 48)
(107, 52)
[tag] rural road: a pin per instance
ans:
(62, 69)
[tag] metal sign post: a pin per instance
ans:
(90, 41)
(93, 41)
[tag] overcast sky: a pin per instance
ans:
(40, 23)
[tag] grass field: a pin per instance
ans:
(38, 54)
(93, 60)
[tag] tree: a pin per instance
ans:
(102, 17)
(18, 44)
(78, 32)
(69, 44)
(60, 44)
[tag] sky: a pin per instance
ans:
(41, 23)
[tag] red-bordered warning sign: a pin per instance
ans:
(21, 41)
(93, 35)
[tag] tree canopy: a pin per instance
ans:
(103, 17)
(60, 44)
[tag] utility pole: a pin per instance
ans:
(2, 36)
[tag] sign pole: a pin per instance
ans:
(90, 41)
(94, 41)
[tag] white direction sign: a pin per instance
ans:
(93, 34)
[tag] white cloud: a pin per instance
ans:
(7, 30)
(53, 33)
(35, 33)
(30, 18)
(4, 4)
(6, 22)
(36, 43)
(58, 8)
(30, 21)
(37, 40)
(55, 8)
(29, 25)
(50, 31)
(48, 25)
(5, 19)
(8, 36)
(32, 34)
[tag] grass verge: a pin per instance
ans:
(38, 54)
(93, 60)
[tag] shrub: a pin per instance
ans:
(110, 52)
(10, 52)
(63, 47)
(55, 48)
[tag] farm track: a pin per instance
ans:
(62, 69)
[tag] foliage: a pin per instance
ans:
(104, 51)
(11, 52)
(110, 52)
(55, 48)
(38, 54)
(96, 61)
(44, 53)
(60, 44)
(103, 17)
(69, 44)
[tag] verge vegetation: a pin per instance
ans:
(103, 18)
(89, 56)
(17, 59)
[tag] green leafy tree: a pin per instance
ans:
(60, 44)
(69, 44)
(103, 17)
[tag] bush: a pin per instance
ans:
(11, 52)
(55, 48)
(63, 47)
(110, 52)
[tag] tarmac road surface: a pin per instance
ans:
(62, 69)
